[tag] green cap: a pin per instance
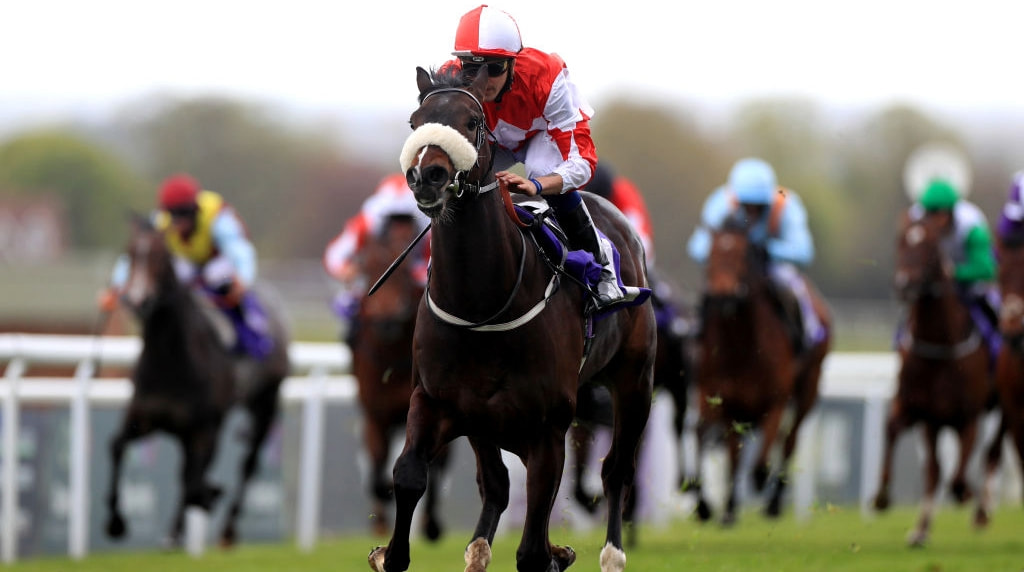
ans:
(939, 195)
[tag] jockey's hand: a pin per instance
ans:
(516, 183)
(233, 296)
(347, 274)
(106, 301)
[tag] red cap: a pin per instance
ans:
(178, 191)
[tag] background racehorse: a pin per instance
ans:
(673, 372)
(381, 346)
(499, 345)
(747, 371)
(944, 376)
(186, 380)
(1010, 365)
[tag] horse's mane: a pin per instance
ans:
(447, 76)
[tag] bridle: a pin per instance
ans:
(457, 184)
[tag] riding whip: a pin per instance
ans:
(401, 257)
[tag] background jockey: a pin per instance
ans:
(968, 243)
(392, 198)
(777, 221)
(212, 251)
(1011, 217)
(538, 118)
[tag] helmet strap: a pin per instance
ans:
(508, 81)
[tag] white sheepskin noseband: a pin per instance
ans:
(458, 148)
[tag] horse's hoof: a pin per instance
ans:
(882, 502)
(612, 559)
(916, 539)
(433, 530)
(228, 538)
(728, 520)
(116, 528)
(478, 555)
(760, 478)
(587, 501)
(960, 491)
(703, 511)
(773, 509)
(981, 519)
(379, 526)
(376, 558)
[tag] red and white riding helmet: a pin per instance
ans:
(486, 32)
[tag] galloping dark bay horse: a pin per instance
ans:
(1010, 364)
(945, 371)
(499, 349)
(382, 364)
(748, 373)
(186, 380)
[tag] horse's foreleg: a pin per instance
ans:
(894, 425)
(424, 438)
(733, 441)
(919, 535)
(544, 465)
(769, 432)
(493, 484)
(375, 439)
(262, 414)
(116, 527)
(968, 435)
(806, 397)
(432, 527)
(695, 482)
(993, 458)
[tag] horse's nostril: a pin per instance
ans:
(435, 175)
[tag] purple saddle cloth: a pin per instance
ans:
(579, 264)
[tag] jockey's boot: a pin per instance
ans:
(579, 228)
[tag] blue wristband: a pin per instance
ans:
(536, 183)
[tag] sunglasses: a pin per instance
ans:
(182, 212)
(494, 69)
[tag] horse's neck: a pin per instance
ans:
(942, 317)
(475, 258)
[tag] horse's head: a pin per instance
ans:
(922, 268)
(1011, 285)
(398, 296)
(734, 263)
(448, 154)
(150, 267)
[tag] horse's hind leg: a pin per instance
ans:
(695, 482)
(493, 484)
(993, 458)
(581, 438)
(262, 413)
(131, 429)
(919, 535)
(633, 406)
(375, 439)
(424, 438)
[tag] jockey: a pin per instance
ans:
(968, 243)
(1010, 228)
(212, 251)
(392, 198)
(777, 221)
(538, 118)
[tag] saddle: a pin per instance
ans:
(579, 265)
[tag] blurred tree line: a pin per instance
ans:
(295, 184)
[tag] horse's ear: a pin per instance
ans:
(138, 220)
(423, 81)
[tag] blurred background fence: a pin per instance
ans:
(311, 478)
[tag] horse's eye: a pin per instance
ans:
(473, 124)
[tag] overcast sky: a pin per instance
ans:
(360, 55)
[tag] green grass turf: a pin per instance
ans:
(834, 539)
